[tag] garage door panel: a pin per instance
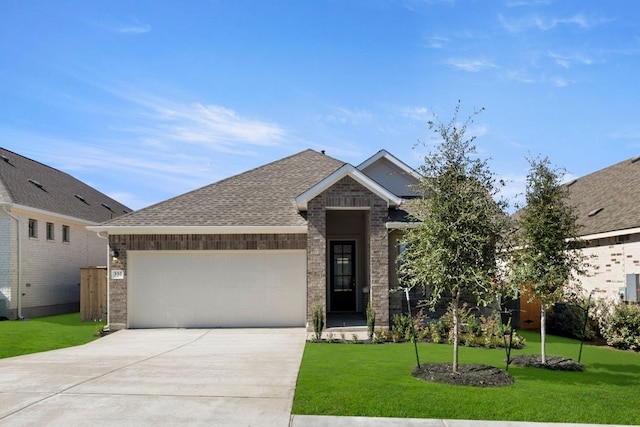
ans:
(216, 289)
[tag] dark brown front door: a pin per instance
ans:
(343, 275)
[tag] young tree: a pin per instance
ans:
(452, 252)
(548, 255)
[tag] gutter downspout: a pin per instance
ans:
(19, 290)
(106, 326)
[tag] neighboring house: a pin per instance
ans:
(262, 248)
(43, 237)
(608, 208)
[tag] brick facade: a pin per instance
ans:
(348, 194)
(159, 242)
(50, 268)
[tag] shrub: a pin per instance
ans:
(620, 326)
(318, 321)
(402, 326)
(371, 320)
(567, 319)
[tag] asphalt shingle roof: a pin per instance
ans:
(615, 190)
(29, 183)
(260, 197)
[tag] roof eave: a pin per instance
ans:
(185, 229)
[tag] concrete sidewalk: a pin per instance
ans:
(325, 421)
(157, 378)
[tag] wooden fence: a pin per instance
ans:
(93, 293)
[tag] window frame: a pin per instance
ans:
(66, 234)
(50, 231)
(33, 228)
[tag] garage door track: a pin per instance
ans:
(157, 377)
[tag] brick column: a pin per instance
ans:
(379, 261)
(316, 256)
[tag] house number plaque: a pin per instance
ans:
(117, 274)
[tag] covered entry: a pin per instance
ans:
(194, 289)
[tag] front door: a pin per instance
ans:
(343, 275)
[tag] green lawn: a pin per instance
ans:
(375, 380)
(19, 337)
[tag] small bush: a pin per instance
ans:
(401, 327)
(371, 320)
(620, 326)
(318, 321)
(567, 319)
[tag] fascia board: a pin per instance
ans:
(610, 234)
(346, 170)
(28, 209)
(157, 229)
(393, 159)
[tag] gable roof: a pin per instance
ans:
(392, 173)
(257, 199)
(28, 183)
(347, 170)
(608, 200)
(384, 154)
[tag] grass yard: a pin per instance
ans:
(19, 337)
(375, 380)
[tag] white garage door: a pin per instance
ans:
(194, 289)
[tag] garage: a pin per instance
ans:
(204, 289)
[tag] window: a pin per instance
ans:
(50, 231)
(33, 228)
(66, 233)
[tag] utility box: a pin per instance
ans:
(93, 294)
(633, 287)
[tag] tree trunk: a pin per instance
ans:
(456, 331)
(543, 333)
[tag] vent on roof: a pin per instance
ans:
(107, 206)
(79, 197)
(635, 159)
(6, 159)
(595, 212)
(37, 184)
(570, 183)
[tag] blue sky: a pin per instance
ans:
(146, 100)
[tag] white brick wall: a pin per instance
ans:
(614, 260)
(50, 272)
(7, 269)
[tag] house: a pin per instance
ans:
(262, 248)
(43, 237)
(608, 207)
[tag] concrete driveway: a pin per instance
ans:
(237, 377)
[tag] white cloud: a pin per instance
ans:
(558, 81)
(519, 3)
(533, 22)
(416, 113)
(343, 115)
(436, 42)
(567, 61)
(132, 27)
(625, 135)
(212, 126)
(520, 76)
(477, 130)
(470, 65)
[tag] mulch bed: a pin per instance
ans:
(471, 375)
(553, 362)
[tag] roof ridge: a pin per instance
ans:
(38, 162)
(629, 160)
